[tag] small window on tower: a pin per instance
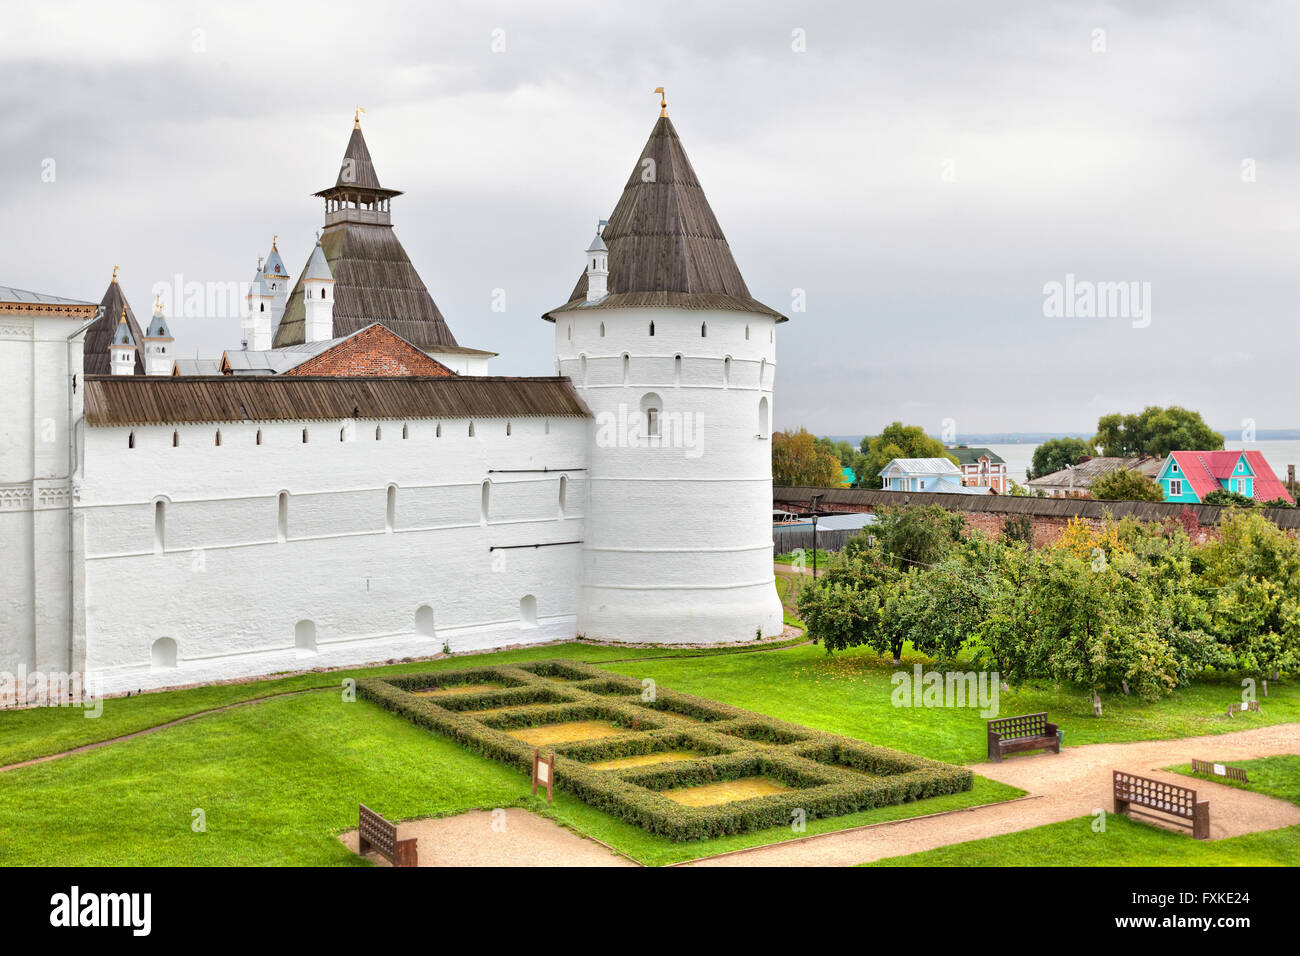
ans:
(652, 328)
(704, 330)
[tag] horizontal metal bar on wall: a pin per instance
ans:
(544, 544)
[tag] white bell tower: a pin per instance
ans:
(260, 323)
(157, 343)
(318, 297)
(122, 348)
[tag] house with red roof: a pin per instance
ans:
(1188, 476)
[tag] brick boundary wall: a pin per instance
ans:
(1048, 515)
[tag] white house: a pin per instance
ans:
(303, 509)
(922, 474)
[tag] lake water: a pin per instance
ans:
(1278, 453)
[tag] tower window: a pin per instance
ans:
(602, 330)
(159, 526)
(627, 367)
(130, 440)
(217, 439)
(726, 372)
(471, 429)
(677, 369)
(304, 436)
(390, 511)
(564, 492)
(507, 429)
(176, 439)
(485, 502)
(437, 431)
(259, 436)
(379, 432)
(652, 328)
(704, 330)
(282, 517)
(405, 431)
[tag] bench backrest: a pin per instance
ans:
(377, 831)
(1219, 770)
(1026, 725)
(1155, 794)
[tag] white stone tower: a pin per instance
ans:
(122, 348)
(157, 343)
(278, 282)
(260, 324)
(318, 296)
(676, 361)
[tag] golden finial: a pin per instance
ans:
(122, 320)
(274, 240)
(115, 268)
(356, 119)
(663, 101)
(157, 305)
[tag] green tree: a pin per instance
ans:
(1155, 431)
(896, 441)
(1126, 484)
(910, 537)
(797, 461)
(1225, 497)
(848, 605)
(1253, 574)
(1055, 453)
(1095, 626)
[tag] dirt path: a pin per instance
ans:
(1061, 787)
(519, 838)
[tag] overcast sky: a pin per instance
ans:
(921, 170)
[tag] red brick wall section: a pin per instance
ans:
(372, 351)
(1045, 529)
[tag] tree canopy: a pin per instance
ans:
(896, 441)
(798, 461)
(1155, 431)
(1126, 484)
(1055, 453)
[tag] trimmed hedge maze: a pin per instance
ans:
(676, 765)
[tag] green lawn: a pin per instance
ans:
(850, 693)
(36, 732)
(279, 780)
(1275, 776)
(1125, 843)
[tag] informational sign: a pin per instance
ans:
(544, 773)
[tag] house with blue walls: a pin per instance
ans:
(924, 474)
(1188, 476)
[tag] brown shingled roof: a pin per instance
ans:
(665, 244)
(374, 280)
(155, 400)
(95, 357)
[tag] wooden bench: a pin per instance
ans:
(376, 833)
(1173, 800)
(1219, 770)
(1026, 732)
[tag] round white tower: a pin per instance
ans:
(676, 362)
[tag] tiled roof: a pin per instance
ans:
(970, 456)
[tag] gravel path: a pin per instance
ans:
(519, 838)
(1061, 787)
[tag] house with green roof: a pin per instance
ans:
(981, 468)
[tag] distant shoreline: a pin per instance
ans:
(1037, 438)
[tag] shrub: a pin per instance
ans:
(827, 775)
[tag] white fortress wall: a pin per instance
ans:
(345, 570)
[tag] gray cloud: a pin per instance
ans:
(921, 171)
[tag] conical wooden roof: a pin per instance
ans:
(95, 360)
(374, 280)
(665, 245)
